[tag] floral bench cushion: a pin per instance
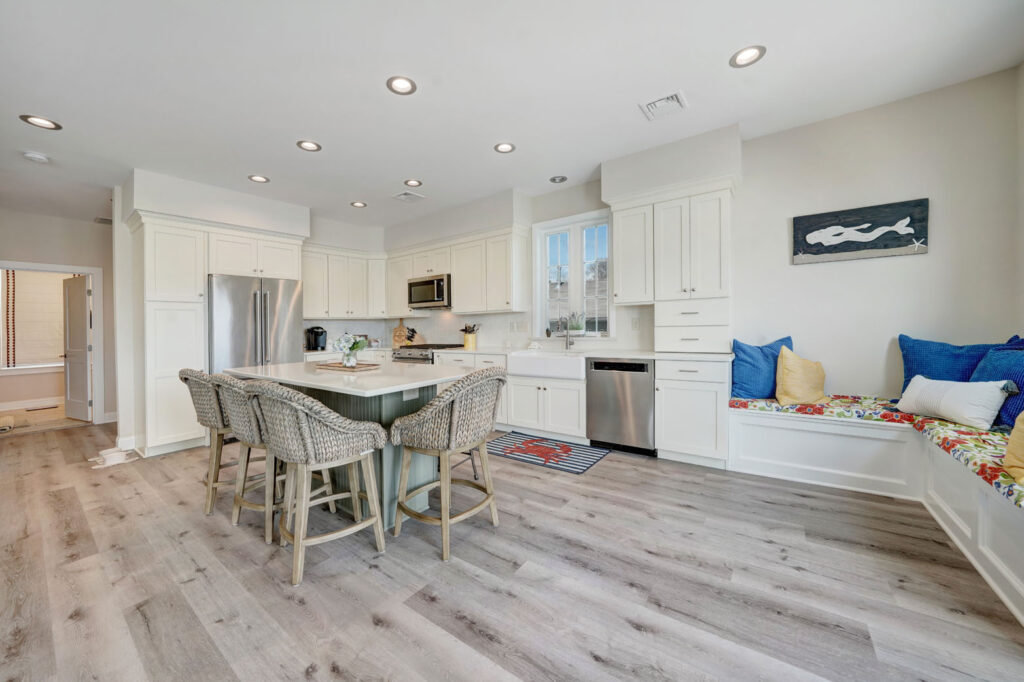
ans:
(980, 451)
(867, 408)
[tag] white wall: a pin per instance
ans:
(957, 146)
(495, 212)
(148, 191)
(328, 232)
(568, 201)
(711, 155)
(1020, 189)
(37, 238)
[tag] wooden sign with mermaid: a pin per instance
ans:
(899, 229)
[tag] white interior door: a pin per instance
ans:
(77, 349)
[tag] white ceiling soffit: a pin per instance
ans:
(216, 91)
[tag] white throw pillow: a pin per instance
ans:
(974, 403)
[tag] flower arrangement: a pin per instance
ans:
(576, 322)
(349, 344)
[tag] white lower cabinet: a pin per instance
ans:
(554, 405)
(691, 415)
(175, 338)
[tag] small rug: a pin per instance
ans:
(545, 452)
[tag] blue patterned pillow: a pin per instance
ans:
(1000, 364)
(753, 368)
(940, 361)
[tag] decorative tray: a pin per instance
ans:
(339, 367)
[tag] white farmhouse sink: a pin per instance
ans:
(552, 364)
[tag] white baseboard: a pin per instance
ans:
(126, 442)
(28, 404)
(105, 418)
(712, 462)
(157, 450)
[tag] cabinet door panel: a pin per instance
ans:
(468, 288)
(633, 241)
(565, 407)
(233, 255)
(337, 291)
(376, 299)
(672, 250)
(279, 260)
(358, 294)
(314, 286)
(440, 261)
(175, 338)
(399, 272)
(421, 263)
(709, 245)
(499, 274)
(525, 404)
(689, 417)
(175, 264)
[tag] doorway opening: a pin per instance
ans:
(50, 347)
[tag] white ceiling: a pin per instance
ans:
(215, 91)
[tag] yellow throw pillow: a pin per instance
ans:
(1013, 462)
(799, 381)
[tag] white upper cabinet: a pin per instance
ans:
(501, 264)
(672, 250)
(376, 299)
(314, 285)
(280, 260)
(233, 254)
(633, 254)
(709, 245)
(175, 264)
(358, 292)
(399, 272)
(469, 264)
(691, 245)
(433, 262)
(241, 254)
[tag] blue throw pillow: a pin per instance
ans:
(940, 361)
(753, 368)
(1000, 364)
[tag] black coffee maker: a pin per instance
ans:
(316, 338)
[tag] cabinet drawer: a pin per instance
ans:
(453, 360)
(485, 361)
(689, 370)
(692, 313)
(693, 339)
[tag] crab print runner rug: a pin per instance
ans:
(545, 452)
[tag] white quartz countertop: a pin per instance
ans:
(391, 378)
(479, 351)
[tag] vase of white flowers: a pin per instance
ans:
(349, 345)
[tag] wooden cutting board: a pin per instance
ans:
(339, 367)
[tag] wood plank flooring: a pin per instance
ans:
(638, 569)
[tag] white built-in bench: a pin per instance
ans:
(864, 445)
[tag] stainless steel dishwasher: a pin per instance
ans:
(620, 402)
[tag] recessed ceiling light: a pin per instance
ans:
(309, 145)
(259, 178)
(747, 56)
(40, 122)
(36, 157)
(400, 85)
(413, 183)
(504, 147)
(359, 204)
(557, 179)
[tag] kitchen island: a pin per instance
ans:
(380, 395)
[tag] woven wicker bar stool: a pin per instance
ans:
(210, 414)
(311, 437)
(460, 418)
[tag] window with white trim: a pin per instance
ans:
(572, 274)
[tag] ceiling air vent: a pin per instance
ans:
(409, 197)
(664, 107)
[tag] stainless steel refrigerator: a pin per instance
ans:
(254, 321)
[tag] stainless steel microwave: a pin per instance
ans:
(432, 291)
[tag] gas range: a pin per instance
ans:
(421, 353)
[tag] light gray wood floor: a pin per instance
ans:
(638, 569)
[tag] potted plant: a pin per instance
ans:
(349, 345)
(576, 324)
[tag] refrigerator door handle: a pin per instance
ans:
(266, 336)
(257, 325)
